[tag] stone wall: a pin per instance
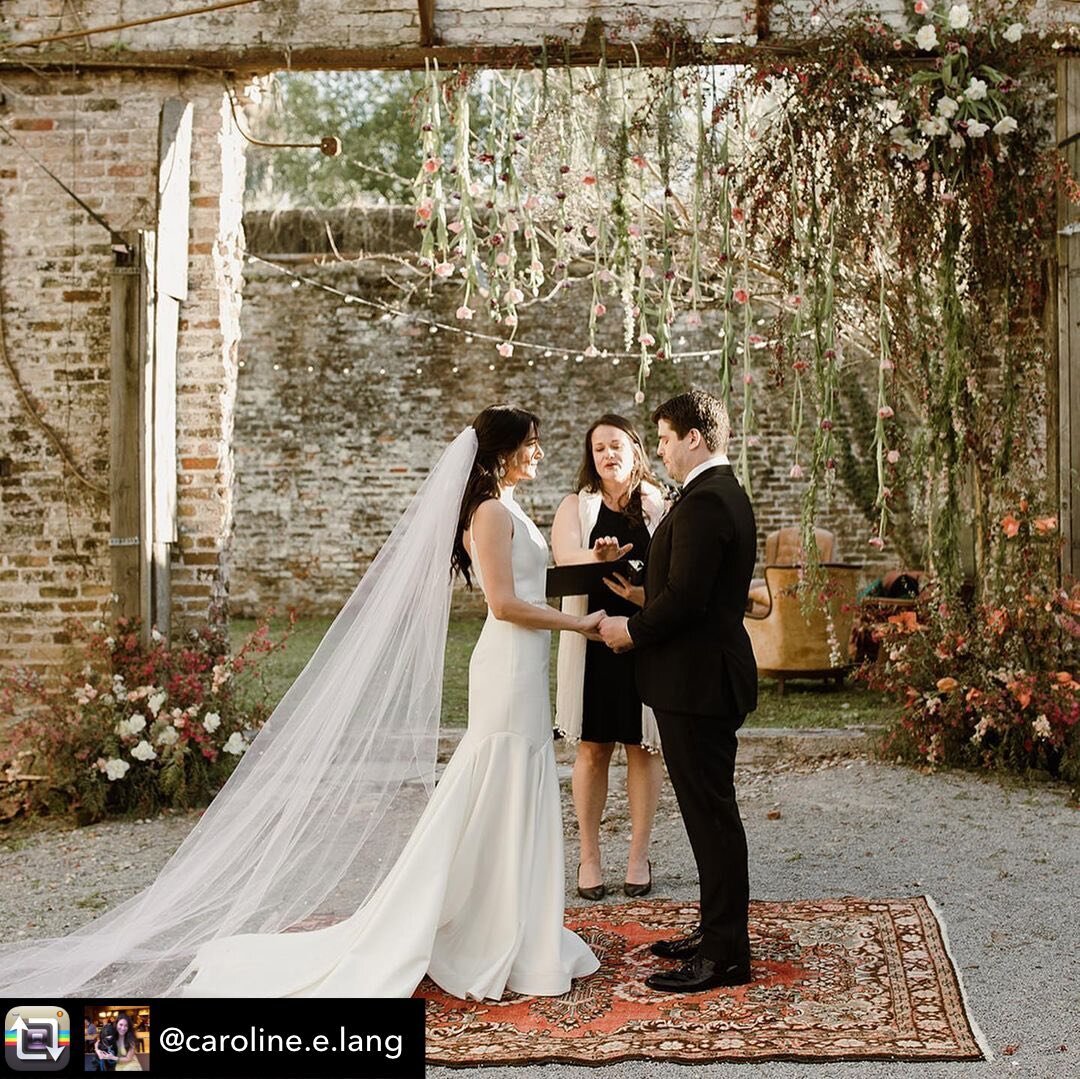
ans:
(341, 410)
(99, 134)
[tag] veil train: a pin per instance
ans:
(322, 803)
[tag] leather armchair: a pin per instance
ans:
(784, 548)
(788, 642)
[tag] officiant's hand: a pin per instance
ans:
(635, 593)
(607, 549)
(615, 635)
(590, 625)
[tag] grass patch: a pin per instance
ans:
(805, 704)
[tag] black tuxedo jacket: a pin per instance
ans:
(693, 654)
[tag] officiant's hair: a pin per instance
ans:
(701, 410)
(500, 430)
(589, 479)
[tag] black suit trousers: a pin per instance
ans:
(700, 755)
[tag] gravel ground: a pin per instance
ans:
(1002, 862)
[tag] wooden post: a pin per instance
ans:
(127, 291)
(1063, 420)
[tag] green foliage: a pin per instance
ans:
(374, 115)
(134, 729)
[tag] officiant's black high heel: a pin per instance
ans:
(636, 890)
(597, 892)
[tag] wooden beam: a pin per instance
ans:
(125, 377)
(1063, 421)
(428, 37)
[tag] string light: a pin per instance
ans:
(388, 313)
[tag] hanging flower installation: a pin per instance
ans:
(834, 214)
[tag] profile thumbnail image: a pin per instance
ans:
(117, 1037)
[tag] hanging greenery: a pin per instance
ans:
(831, 209)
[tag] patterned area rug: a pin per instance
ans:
(833, 979)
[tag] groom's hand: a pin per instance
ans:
(614, 634)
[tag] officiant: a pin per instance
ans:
(612, 516)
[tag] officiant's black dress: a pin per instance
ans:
(611, 705)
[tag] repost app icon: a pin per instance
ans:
(37, 1038)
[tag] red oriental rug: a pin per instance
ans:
(833, 979)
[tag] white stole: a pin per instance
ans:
(570, 681)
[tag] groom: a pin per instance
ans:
(696, 668)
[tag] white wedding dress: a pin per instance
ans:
(475, 900)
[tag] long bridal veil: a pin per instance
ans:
(321, 804)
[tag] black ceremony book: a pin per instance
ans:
(581, 579)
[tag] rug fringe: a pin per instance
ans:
(976, 1030)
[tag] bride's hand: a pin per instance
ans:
(589, 625)
(607, 549)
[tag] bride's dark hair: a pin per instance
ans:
(500, 430)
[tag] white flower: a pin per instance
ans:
(934, 125)
(211, 722)
(144, 751)
(168, 736)
(1005, 126)
(959, 16)
(156, 636)
(110, 644)
(927, 38)
(1041, 727)
(893, 113)
(976, 129)
(116, 768)
(947, 106)
(976, 90)
(155, 702)
(235, 744)
(136, 722)
(956, 140)
(1014, 32)
(915, 150)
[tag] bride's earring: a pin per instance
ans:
(501, 470)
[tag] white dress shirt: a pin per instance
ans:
(712, 462)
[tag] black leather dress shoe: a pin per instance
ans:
(698, 974)
(679, 948)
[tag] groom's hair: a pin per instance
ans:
(701, 410)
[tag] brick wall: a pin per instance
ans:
(99, 134)
(340, 412)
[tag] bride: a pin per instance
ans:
(332, 810)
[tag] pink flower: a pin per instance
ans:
(647, 340)
(892, 456)
(506, 349)
(514, 295)
(886, 364)
(444, 269)
(591, 231)
(599, 310)
(423, 211)
(738, 215)
(605, 276)
(876, 542)
(634, 230)
(921, 7)
(433, 164)
(796, 472)
(748, 379)
(639, 398)
(756, 339)
(639, 160)
(886, 412)
(502, 259)
(532, 202)
(740, 295)
(592, 351)
(536, 266)
(464, 312)
(1045, 525)
(510, 320)
(456, 226)
(794, 301)
(1010, 525)
(588, 179)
